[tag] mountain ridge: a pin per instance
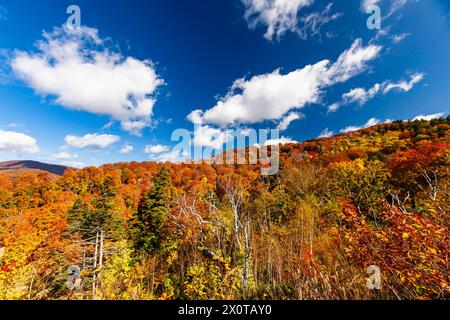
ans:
(20, 165)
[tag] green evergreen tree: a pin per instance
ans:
(104, 216)
(75, 215)
(87, 221)
(153, 211)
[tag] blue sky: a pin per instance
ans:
(117, 88)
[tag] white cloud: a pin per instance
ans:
(311, 24)
(397, 38)
(287, 120)
(14, 125)
(404, 85)
(174, 156)
(372, 122)
(63, 155)
(360, 95)
(351, 128)
(92, 141)
(135, 127)
(195, 117)
(156, 149)
(279, 16)
(270, 96)
(352, 62)
(382, 33)
(75, 164)
(126, 149)
(366, 4)
(76, 67)
(282, 140)
(264, 97)
(396, 5)
(334, 107)
(18, 143)
(326, 133)
(206, 136)
(429, 117)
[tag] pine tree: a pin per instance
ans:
(153, 211)
(104, 216)
(87, 221)
(76, 215)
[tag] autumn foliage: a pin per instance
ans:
(376, 197)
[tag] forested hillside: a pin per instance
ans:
(379, 197)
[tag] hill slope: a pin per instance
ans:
(10, 167)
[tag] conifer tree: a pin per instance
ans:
(153, 211)
(88, 220)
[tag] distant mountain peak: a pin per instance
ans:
(13, 165)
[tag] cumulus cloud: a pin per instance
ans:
(195, 117)
(91, 141)
(281, 16)
(75, 66)
(287, 120)
(429, 117)
(206, 136)
(18, 143)
(126, 149)
(270, 96)
(372, 122)
(156, 149)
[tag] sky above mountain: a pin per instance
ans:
(117, 87)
